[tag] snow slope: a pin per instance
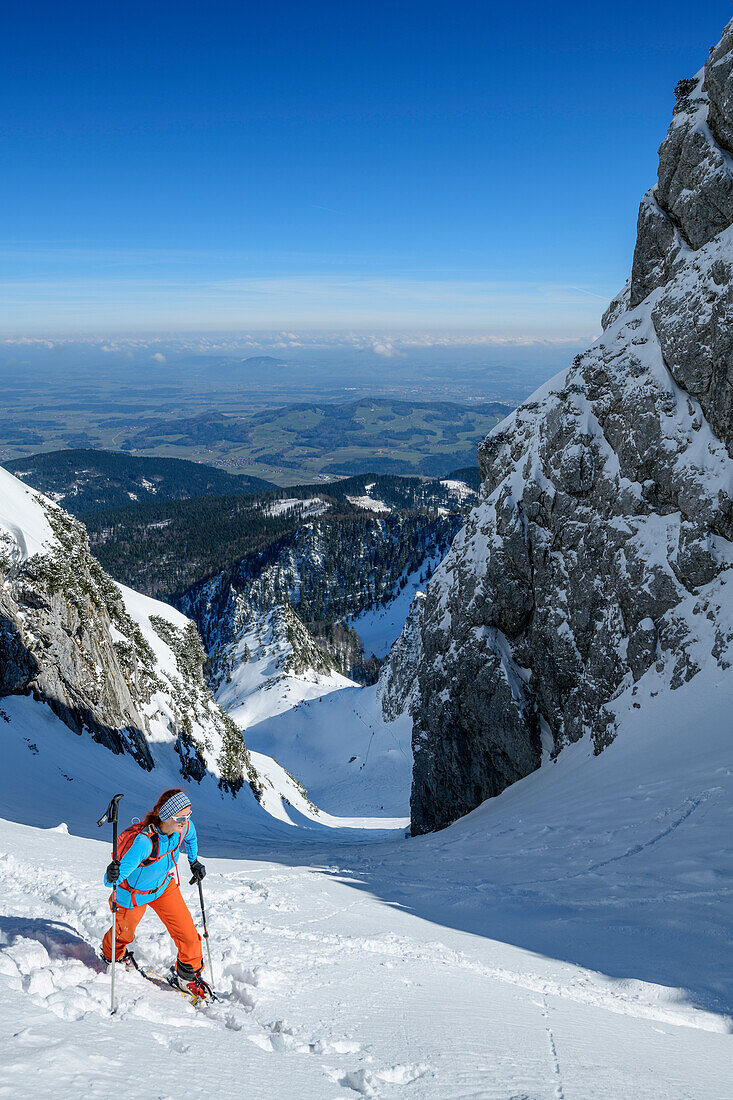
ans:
(24, 528)
(369, 503)
(568, 939)
(348, 758)
(51, 773)
(460, 489)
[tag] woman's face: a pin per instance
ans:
(177, 824)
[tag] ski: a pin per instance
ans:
(160, 980)
(163, 982)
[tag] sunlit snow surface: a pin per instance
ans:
(24, 527)
(570, 938)
(370, 504)
(350, 760)
(461, 490)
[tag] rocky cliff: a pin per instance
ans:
(112, 664)
(596, 565)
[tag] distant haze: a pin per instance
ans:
(240, 370)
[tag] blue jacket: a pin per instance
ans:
(152, 880)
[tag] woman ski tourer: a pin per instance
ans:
(146, 874)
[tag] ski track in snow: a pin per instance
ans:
(553, 1049)
(568, 940)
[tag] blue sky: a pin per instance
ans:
(393, 166)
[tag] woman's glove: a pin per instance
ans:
(198, 871)
(113, 871)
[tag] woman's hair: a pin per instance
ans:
(151, 817)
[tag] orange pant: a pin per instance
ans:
(172, 910)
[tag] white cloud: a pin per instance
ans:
(386, 345)
(385, 348)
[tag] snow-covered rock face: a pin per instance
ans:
(108, 661)
(682, 244)
(598, 554)
(397, 686)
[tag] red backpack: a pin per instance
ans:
(128, 835)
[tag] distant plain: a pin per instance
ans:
(289, 421)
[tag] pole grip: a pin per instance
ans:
(110, 814)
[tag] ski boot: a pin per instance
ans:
(190, 981)
(128, 960)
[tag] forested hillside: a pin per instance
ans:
(164, 548)
(86, 480)
(329, 570)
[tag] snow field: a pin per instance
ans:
(261, 684)
(460, 489)
(327, 992)
(569, 939)
(369, 503)
(51, 773)
(286, 800)
(349, 759)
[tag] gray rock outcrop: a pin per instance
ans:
(600, 551)
(68, 638)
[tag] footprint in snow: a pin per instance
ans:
(178, 1046)
(325, 1046)
(258, 976)
(279, 1039)
(242, 996)
(366, 1082)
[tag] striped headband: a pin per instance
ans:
(173, 804)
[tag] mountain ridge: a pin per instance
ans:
(109, 662)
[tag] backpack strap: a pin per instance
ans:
(155, 848)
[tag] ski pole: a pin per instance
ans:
(110, 814)
(206, 931)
